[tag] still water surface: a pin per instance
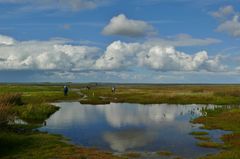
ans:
(121, 127)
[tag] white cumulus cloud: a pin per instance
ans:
(169, 59)
(46, 55)
(120, 55)
(60, 55)
(229, 21)
(5, 40)
(121, 25)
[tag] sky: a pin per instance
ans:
(137, 41)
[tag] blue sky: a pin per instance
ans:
(147, 41)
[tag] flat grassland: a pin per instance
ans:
(144, 94)
(31, 103)
(171, 94)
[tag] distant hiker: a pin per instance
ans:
(113, 89)
(65, 90)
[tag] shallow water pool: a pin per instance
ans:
(122, 127)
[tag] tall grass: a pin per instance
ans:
(33, 112)
(36, 113)
(6, 103)
(6, 114)
(11, 99)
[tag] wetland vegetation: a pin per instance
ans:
(225, 118)
(32, 103)
(171, 94)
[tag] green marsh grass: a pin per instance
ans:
(32, 94)
(7, 101)
(35, 113)
(209, 144)
(171, 94)
(29, 145)
(225, 118)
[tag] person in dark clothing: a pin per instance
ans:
(88, 87)
(65, 90)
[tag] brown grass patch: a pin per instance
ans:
(91, 153)
(209, 144)
(11, 99)
(132, 155)
(164, 153)
(232, 139)
(203, 138)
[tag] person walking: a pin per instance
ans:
(113, 89)
(65, 90)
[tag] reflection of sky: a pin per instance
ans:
(122, 127)
(130, 138)
(119, 115)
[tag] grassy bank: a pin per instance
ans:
(225, 119)
(28, 144)
(172, 94)
(31, 102)
(35, 113)
(12, 106)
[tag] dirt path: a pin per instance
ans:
(78, 91)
